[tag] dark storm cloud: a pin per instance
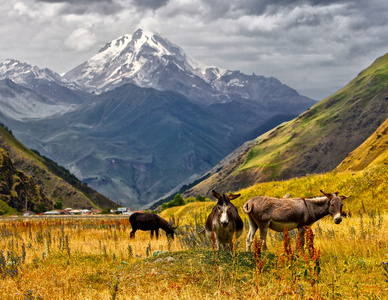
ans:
(105, 7)
(76, 2)
(80, 7)
(234, 8)
(150, 4)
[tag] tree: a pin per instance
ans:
(178, 200)
(58, 205)
(40, 208)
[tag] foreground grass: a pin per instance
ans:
(95, 259)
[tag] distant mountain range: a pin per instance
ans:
(317, 141)
(140, 118)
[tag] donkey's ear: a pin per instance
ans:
(233, 196)
(330, 196)
(345, 197)
(215, 194)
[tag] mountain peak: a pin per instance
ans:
(27, 75)
(12, 69)
(149, 60)
(134, 59)
(139, 33)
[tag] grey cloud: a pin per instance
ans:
(150, 4)
(80, 7)
(235, 8)
(105, 7)
(76, 2)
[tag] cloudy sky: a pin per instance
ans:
(314, 46)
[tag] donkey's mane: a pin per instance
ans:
(317, 198)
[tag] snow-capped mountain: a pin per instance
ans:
(27, 92)
(140, 59)
(148, 60)
(30, 76)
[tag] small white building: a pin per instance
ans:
(52, 212)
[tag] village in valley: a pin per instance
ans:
(83, 212)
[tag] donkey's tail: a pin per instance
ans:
(245, 208)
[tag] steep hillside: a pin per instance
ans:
(315, 142)
(374, 151)
(43, 172)
(19, 191)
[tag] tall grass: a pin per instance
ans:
(88, 258)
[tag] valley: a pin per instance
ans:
(140, 119)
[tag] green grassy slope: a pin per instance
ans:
(18, 192)
(316, 141)
(368, 190)
(48, 176)
(373, 152)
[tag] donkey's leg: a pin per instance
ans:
(157, 233)
(300, 240)
(230, 244)
(152, 233)
(132, 234)
(263, 236)
(251, 233)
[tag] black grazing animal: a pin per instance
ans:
(224, 221)
(151, 222)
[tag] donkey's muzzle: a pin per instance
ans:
(337, 220)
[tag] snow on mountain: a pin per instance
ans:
(144, 59)
(148, 60)
(27, 92)
(27, 75)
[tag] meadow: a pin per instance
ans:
(93, 258)
(81, 257)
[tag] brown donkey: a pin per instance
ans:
(274, 213)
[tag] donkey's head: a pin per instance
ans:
(223, 207)
(335, 205)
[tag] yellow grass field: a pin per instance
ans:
(94, 258)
